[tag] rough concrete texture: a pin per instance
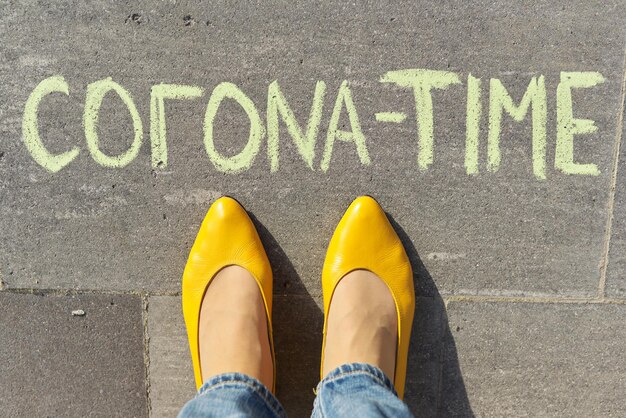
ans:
(495, 232)
(502, 236)
(58, 363)
(529, 359)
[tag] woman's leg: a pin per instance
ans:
(235, 354)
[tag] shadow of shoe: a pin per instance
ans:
(434, 385)
(297, 323)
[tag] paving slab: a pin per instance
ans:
(504, 232)
(298, 324)
(615, 285)
(170, 371)
(70, 356)
(537, 359)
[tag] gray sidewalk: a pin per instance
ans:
(521, 280)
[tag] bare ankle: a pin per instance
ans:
(233, 335)
(362, 324)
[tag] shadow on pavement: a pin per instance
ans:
(297, 324)
(434, 383)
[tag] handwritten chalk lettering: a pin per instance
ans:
(499, 101)
(245, 158)
(472, 121)
(305, 142)
(567, 126)
(422, 82)
(30, 126)
(93, 101)
(393, 117)
(344, 97)
(158, 135)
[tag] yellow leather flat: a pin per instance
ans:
(365, 240)
(227, 237)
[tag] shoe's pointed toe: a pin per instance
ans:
(365, 240)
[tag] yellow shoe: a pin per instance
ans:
(227, 237)
(365, 240)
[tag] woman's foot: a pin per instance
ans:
(233, 335)
(362, 324)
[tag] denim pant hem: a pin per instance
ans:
(358, 390)
(355, 389)
(351, 369)
(240, 381)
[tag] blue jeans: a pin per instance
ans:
(351, 390)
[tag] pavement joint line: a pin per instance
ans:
(538, 300)
(71, 292)
(456, 297)
(146, 352)
(604, 261)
